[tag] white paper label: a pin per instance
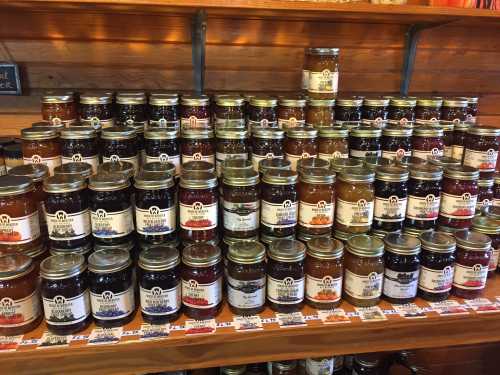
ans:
(198, 216)
(134, 160)
(257, 158)
(164, 123)
(295, 158)
(361, 154)
(483, 205)
(78, 158)
(289, 123)
(305, 79)
(246, 294)
(496, 202)
(426, 154)
(264, 123)
(19, 230)
(392, 209)
(319, 215)
(155, 220)
(398, 154)
(423, 208)
(64, 226)
(325, 290)
(287, 291)
(111, 224)
(279, 215)
(201, 296)
(363, 287)
(435, 281)
(323, 366)
(448, 151)
(61, 311)
(18, 312)
(192, 122)
(458, 206)
(356, 214)
(324, 82)
(197, 156)
(229, 122)
(220, 157)
(241, 216)
(485, 161)
(470, 278)
(333, 155)
(51, 162)
(157, 301)
(400, 284)
(163, 158)
(109, 306)
(457, 152)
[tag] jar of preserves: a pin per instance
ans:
(427, 142)
(131, 108)
(323, 73)
(80, 144)
(339, 165)
(496, 190)
(195, 112)
(333, 143)
(485, 196)
(262, 111)
(41, 146)
(364, 270)
(481, 150)
(120, 144)
(348, 109)
(396, 142)
(266, 144)
(274, 163)
(201, 275)
(447, 138)
(123, 168)
(300, 143)
(320, 112)
(13, 156)
(286, 275)
(198, 144)
(454, 110)
(111, 280)
(291, 112)
(402, 111)
(428, 110)
(355, 200)
(162, 145)
(491, 228)
(197, 166)
(232, 143)
(324, 273)
(59, 109)
(472, 109)
(129, 246)
(364, 141)
(374, 111)
(471, 265)
(229, 111)
(459, 136)
(159, 282)
(163, 110)
(96, 110)
(235, 165)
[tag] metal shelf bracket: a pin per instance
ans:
(198, 39)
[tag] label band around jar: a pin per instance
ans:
(201, 296)
(111, 224)
(110, 306)
(436, 281)
(19, 230)
(19, 312)
(64, 226)
(159, 302)
(279, 215)
(327, 289)
(155, 221)
(62, 311)
(287, 291)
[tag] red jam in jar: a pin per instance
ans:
(427, 142)
(459, 136)
(472, 109)
(481, 150)
(262, 112)
(402, 111)
(428, 110)
(163, 110)
(396, 142)
(232, 143)
(454, 110)
(491, 228)
(195, 112)
(198, 144)
(300, 143)
(291, 112)
(229, 111)
(266, 144)
(485, 196)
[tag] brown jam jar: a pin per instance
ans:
(231, 143)
(246, 277)
(286, 275)
(198, 145)
(312, 164)
(20, 310)
(481, 150)
(472, 109)
(324, 273)
(229, 111)
(120, 144)
(323, 74)
(365, 141)
(197, 166)
(291, 112)
(427, 142)
(164, 111)
(333, 143)
(459, 197)
(485, 196)
(491, 228)
(471, 265)
(316, 201)
(274, 163)
(320, 112)
(454, 110)
(162, 145)
(195, 112)
(374, 111)
(363, 270)
(13, 156)
(396, 142)
(402, 111)
(279, 204)
(80, 144)
(262, 111)
(459, 136)
(41, 146)
(348, 109)
(300, 143)
(59, 109)
(266, 144)
(428, 110)
(96, 110)
(201, 277)
(131, 108)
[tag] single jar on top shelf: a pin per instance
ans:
(291, 112)
(96, 110)
(333, 143)
(320, 112)
(59, 109)
(374, 111)
(41, 146)
(428, 110)
(119, 143)
(402, 111)
(491, 228)
(262, 111)
(427, 142)
(198, 144)
(323, 73)
(195, 112)
(396, 142)
(454, 110)
(266, 144)
(131, 107)
(364, 141)
(164, 110)
(481, 150)
(162, 144)
(300, 143)
(348, 109)
(231, 143)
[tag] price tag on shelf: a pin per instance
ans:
(100, 336)
(247, 323)
(371, 314)
(482, 305)
(295, 319)
(199, 327)
(154, 331)
(335, 316)
(448, 307)
(29, 342)
(10, 343)
(269, 320)
(410, 311)
(49, 340)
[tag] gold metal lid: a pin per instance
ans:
(428, 131)
(201, 255)
(409, 101)
(263, 101)
(160, 167)
(267, 239)
(198, 180)
(103, 181)
(457, 102)
(195, 100)
(426, 172)
(233, 370)
(391, 173)
(198, 166)
(402, 244)
(352, 101)
(292, 102)
(161, 133)
(37, 172)
(163, 99)
(230, 165)
(40, 133)
(82, 250)
(14, 185)
(317, 176)
(486, 225)
(63, 184)
(339, 164)
(375, 102)
(274, 163)
(380, 233)
(62, 266)
(242, 177)
(480, 130)
(123, 167)
(131, 98)
(333, 132)
(119, 133)
(229, 101)
(303, 165)
(396, 131)
(321, 102)
(95, 98)
(415, 232)
(15, 265)
(365, 246)
(302, 133)
(342, 236)
(485, 183)
(231, 133)
(461, 172)
(78, 132)
(127, 246)
(373, 161)
(443, 161)
(437, 242)
(74, 169)
(325, 248)
(430, 102)
(322, 51)
(197, 133)
(153, 180)
(280, 177)
(365, 132)
(267, 133)
(51, 97)
(109, 260)
(287, 250)
(159, 258)
(246, 252)
(357, 175)
(471, 240)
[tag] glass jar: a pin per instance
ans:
(201, 274)
(195, 112)
(197, 166)
(428, 110)
(38, 253)
(364, 141)
(198, 203)
(140, 144)
(229, 111)
(471, 265)
(484, 196)
(364, 270)
(120, 144)
(159, 282)
(131, 107)
(374, 111)
(111, 212)
(262, 111)
(80, 144)
(316, 201)
(291, 112)
(459, 136)
(333, 143)
(444, 161)
(234, 165)
(459, 197)
(274, 163)
(286, 275)
(282, 368)
(339, 165)
(364, 365)
(402, 111)
(372, 162)
(13, 156)
(496, 190)
(129, 246)
(41, 146)
(59, 109)
(65, 293)
(312, 164)
(396, 142)
(355, 200)
(324, 273)
(163, 110)
(447, 138)
(427, 142)
(300, 143)
(323, 73)
(231, 143)
(20, 310)
(124, 168)
(96, 110)
(162, 145)
(481, 150)
(111, 279)
(266, 144)
(472, 109)
(84, 250)
(279, 204)
(348, 109)
(454, 110)
(198, 144)
(491, 228)
(320, 112)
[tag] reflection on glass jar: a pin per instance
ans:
(428, 110)
(266, 144)
(80, 144)
(491, 228)
(427, 142)
(229, 111)
(348, 109)
(333, 143)
(459, 136)
(120, 144)
(454, 110)
(481, 150)
(364, 141)
(320, 112)
(96, 110)
(41, 146)
(300, 143)
(59, 109)
(162, 145)
(195, 112)
(231, 143)
(396, 142)
(198, 144)
(163, 110)
(262, 111)
(291, 112)
(374, 111)
(402, 111)
(131, 108)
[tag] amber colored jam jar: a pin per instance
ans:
(374, 111)
(20, 310)
(231, 143)
(59, 109)
(300, 143)
(485, 196)
(41, 146)
(427, 142)
(274, 163)
(201, 275)
(195, 112)
(164, 111)
(197, 166)
(291, 112)
(348, 109)
(246, 277)
(459, 197)
(120, 144)
(324, 273)
(323, 66)
(333, 143)
(131, 107)
(364, 270)
(454, 110)
(471, 265)
(316, 201)
(96, 110)
(279, 204)
(428, 110)
(459, 136)
(365, 141)
(481, 150)
(355, 200)
(491, 228)
(320, 112)
(266, 144)
(80, 144)
(262, 111)
(162, 145)
(472, 109)
(229, 111)
(396, 142)
(198, 144)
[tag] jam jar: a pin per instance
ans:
(459, 136)
(279, 204)
(428, 110)
(201, 275)
(198, 144)
(459, 197)
(391, 196)
(338, 165)
(402, 111)
(427, 142)
(491, 228)
(496, 190)
(396, 142)
(20, 310)
(485, 196)
(447, 138)
(65, 293)
(472, 109)
(139, 141)
(291, 112)
(282, 368)
(111, 212)
(84, 250)
(229, 111)
(233, 165)
(333, 143)
(163, 110)
(262, 111)
(80, 144)
(120, 144)
(320, 112)
(246, 277)
(162, 144)
(300, 143)
(231, 143)
(131, 108)
(286, 275)
(374, 111)
(307, 165)
(274, 163)
(355, 200)
(481, 150)
(316, 201)
(324, 273)
(364, 270)
(96, 110)
(159, 279)
(471, 265)
(13, 156)
(198, 203)
(444, 161)
(241, 203)
(402, 268)
(424, 196)
(59, 109)
(365, 141)
(197, 166)
(195, 112)
(155, 207)
(372, 162)
(124, 168)
(348, 109)
(266, 144)
(454, 110)
(41, 146)
(111, 279)
(323, 73)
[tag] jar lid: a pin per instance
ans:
(103, 181)
(195, 100)
(14, 265)
(292, 102)
(280, 177)
(131, 98)
(472, 99)
(267, 239)
(233, 370)
(480, 130)
(391, 173)
(402, 244)
(198, 180)
(485, 183)
(339, 164)
(375, 102)
(493, 212)
(365, 246)
(263, 101)
(13, 151)
(380, 233)
(373, 161)
(321, 102)
(287, 250)
(35, 251)
(246, 252)
(443, 161)
(62, 266)
(303, 165)
(285, 366)
(52, 98)
(274, 163)
(229, 101)
(197, 133)
(343, 236)
(137, 126)
(78, 132)
(230, 165)
(426, 172)
(118, 132)
(125, 168)
(428, 131)
(474, 241)
(159, 167)
(409, 101)
(63, 184)
(496, 178)
(109, 260)
(321, 51)
(349, 125)
(95, 98)
(461, 126)
(267, 133)
(333, 132)
(304, 237)
(365, 132)
(437, 242)
(128, 246)
(82, 250)
(13, 185)
(409, 161)
(231, 133)
(241, 177)
(37, 172)
(41, 133)
(161, 133)
(153, 180)
(159, 258)
(352, 101)
(198, 166)
(325, 248)
(357, 175)
(317, 176)
(163, 99)
(232, 240)
(447, 127)
(430, 102)
(75, 169)
(458, 102)
(486, 225)
(461, 172)
(201, 255)
(302, 133)
(393, 131)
